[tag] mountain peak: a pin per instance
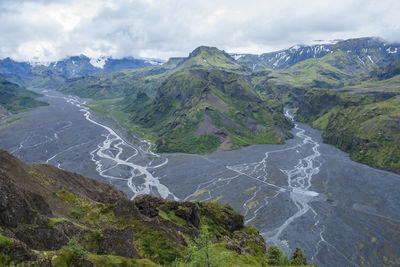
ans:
(205, 49)
(210, 57)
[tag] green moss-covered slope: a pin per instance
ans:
(51, 217)
(200, 110)
(16, 99)
(370, 133)
(149, 79)
(210, 57)
(364, 124)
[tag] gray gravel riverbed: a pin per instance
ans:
(301, 194)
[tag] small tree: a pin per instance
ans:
(202, 253)
(273, 255)
(284, 260)
(298, 258)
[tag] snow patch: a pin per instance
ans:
(154, 62)
(370, 59)
(35, 63)
(98, 62)
(296, 47)
(237, 56)
(361, 60)
(389, 50)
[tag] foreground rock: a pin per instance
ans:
(50, 217)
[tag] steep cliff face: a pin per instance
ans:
(370, 133)
(366, 125)
(50, 217)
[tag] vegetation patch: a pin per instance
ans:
(5, 241)
(54, 221)
(117, 261)
(153, 244)
(170, 216)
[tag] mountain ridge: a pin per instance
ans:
(218, 107)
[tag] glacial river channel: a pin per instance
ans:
(303, 194)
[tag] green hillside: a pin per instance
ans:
(210, 57)
(17, 99)
(387, 72)
(288, 85)
(362, 120)
(149, 79)
(347, 65)
(370, 133)
(116, 84)
(198, 111)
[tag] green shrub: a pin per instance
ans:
(153, 244)
(77, 213)
(5, 241)
(73, 247)
(298, 258)
(202, 253)
(250, 230)
(284, 260)
(54, 221)
(5, 260)
(274, 253)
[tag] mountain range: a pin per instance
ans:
(215, 100)
(210, 100)
(368, 51)
(53, 74)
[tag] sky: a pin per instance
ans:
(44, 30)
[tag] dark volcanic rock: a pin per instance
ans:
(16, 206)
(43, 208)
(115, 242)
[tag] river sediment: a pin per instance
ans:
(301, 194)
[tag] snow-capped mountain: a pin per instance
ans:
(72, 66)
(284, 58)
(82, 65)
(369, 52)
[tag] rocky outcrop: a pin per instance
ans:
(82, 222)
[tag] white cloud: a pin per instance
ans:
(49, 30)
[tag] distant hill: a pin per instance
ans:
(16, 99)
(200, 110)
(284, 58)
(357, 55)
(362, 120)
(210, 57)
(54, 74)
(387, 72)
(128, 82)
(83, 65)
(347, 64)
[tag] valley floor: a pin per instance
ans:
(302, 194)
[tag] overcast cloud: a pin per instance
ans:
(51, 30)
